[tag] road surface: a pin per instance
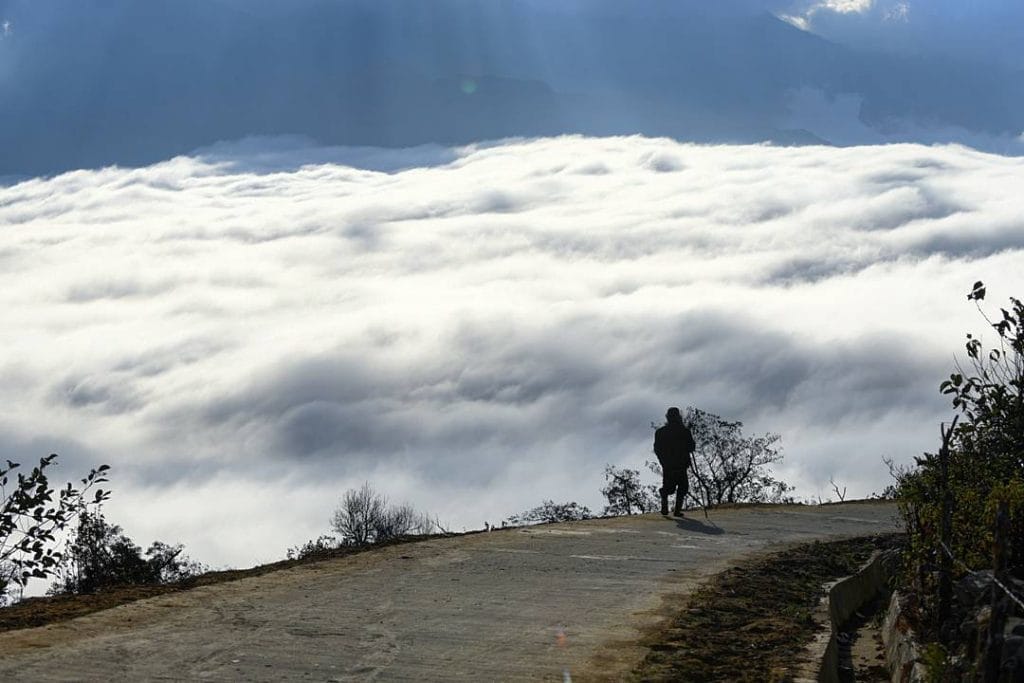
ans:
(511, 605)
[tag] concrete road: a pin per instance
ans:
(538, 603)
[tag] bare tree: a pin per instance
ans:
(364, 517)
(835, 487)
(359, 516)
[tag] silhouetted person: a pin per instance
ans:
(674, 446)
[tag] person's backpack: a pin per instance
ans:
(667, 440)
(690, 445)
(660, 447)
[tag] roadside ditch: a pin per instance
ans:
(757, 622)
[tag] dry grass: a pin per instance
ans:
(753, 622)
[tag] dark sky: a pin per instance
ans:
(93, 82)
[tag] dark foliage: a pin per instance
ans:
(322, 546)
(550, 511)
(101, 556)
(730, 467)
(31, 520)
(625, 494)
(985, 468)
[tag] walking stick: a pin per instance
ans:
(703, 503)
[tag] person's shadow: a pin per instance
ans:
(699, 525)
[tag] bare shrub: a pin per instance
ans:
(404, 520)
(357, 518)
(364, 517)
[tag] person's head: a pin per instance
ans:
(673, 415)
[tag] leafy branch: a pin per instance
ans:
(31, 518)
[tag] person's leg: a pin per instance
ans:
(664, 490)
(669, 485)
(682, 488)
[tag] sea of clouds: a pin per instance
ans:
(247, 332)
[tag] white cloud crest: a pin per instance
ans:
(804, 18)
(846, 6)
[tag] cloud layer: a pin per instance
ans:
(247, 332)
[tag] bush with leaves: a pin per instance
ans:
(365, 517)
(170, 564)
(6, 570)
(101, 556)
(625, 494)
(321, 546)
(985, 464)
(550, 511)
(31, 520)
(990, 394)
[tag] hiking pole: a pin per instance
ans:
(701, 500)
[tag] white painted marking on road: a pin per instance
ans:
(858, 519)
(689, 547)
(689, 537)
(517, 550)
(606, 557)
